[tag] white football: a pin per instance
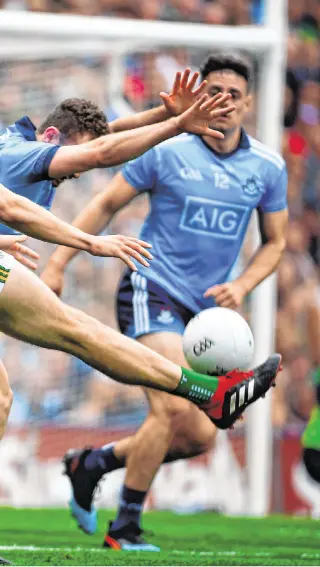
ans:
(218, 340)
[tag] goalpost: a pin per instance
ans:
(31, 36)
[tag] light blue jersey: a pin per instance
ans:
(24, 165)
(200, 206)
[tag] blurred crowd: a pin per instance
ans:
(51, 386)
(235, 12)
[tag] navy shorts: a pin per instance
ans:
(144, 307)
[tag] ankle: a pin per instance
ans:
(130, 507)
(198, 388)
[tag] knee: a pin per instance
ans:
(174, 411)
(202, 442)
(194, 441)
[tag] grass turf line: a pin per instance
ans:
(50, 537)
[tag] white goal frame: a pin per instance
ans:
(27, 35)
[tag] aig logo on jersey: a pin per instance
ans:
(214, 218)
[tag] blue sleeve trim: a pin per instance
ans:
(274, 209)
(48, 159)
(131, 181)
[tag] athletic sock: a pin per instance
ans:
(197, 388)
(130, 507)
(103, 460)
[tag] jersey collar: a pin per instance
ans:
(26, 128)
(244, 144)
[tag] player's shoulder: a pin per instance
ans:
(266, 154)
(10, 139)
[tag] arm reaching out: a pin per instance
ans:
(114, 149)
(264, 263)
(28, 217)
(92, 219)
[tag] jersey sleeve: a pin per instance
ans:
(275, 197)
(29, 161)
(140, 173)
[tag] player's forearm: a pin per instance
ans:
(93, 219)
(152, 116)
(262, 265)
(124, 146)
(31, 219)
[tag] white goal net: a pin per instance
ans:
(59, 401)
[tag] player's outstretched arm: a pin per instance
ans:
(28, 217)
(183, 95)
(92, 219)
(263, 264)
(114, 149)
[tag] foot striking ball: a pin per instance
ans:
(218, 340)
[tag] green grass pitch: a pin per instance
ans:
(50, 537)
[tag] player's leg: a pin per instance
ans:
(31, 312)
(6, 395)
(6, 398)
(169, 417)
(142, 305)
(146, 310)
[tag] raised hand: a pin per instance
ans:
(12, 245)
(123, 247)
(184, 94)
(199, 116)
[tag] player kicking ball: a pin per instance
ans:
(76, 137)
(31, 312)
(202, 194)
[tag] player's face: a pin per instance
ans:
(228, 82)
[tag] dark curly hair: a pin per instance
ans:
(77, 116)
(234, 61)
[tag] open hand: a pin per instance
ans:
(12, 245)
(198, 117)
(123, 247)
(229, 294)
(184, 94)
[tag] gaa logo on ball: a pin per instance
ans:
(218, 340)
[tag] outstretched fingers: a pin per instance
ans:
(192, 83)
(185, 78)
(27, 251)
(139, 241)
(176, 84)
(138, 245)
(129, 251)
(127, 260)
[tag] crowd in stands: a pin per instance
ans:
(52, 386)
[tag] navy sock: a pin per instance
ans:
(103, 460)
(130, 507)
